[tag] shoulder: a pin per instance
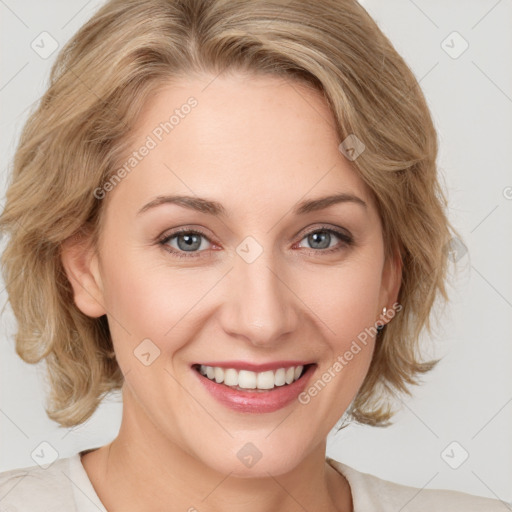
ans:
(373, 494)
(64, 485)
(35, 488)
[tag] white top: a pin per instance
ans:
(64, 486)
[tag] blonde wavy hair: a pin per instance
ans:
(74, 139)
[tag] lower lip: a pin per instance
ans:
(257, 402)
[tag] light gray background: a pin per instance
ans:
(468, 398)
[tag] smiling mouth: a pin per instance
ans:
(246, 380)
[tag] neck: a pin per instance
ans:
(142, 470)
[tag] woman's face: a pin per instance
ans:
(267, 284)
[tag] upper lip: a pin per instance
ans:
(244, 365)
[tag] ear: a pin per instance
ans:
(390, 283)
(81, 265)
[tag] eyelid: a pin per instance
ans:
(344, 235)
(166, 237)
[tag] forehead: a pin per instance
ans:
(263, 138)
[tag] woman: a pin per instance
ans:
(221, 189)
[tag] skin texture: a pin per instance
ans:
(258, 145)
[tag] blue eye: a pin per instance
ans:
(323, 237)
(190, 241)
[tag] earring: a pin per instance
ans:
(380, 327)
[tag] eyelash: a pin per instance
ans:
(347, 241)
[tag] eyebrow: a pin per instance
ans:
(216, 209)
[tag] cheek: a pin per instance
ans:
(344, 300)
(152, 301)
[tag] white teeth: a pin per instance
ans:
(265, 380)
(231, 377)
(280, 377)
(219, 375)
(246, 379)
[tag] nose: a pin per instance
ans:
(261, 308)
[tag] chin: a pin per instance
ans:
(256, 459)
